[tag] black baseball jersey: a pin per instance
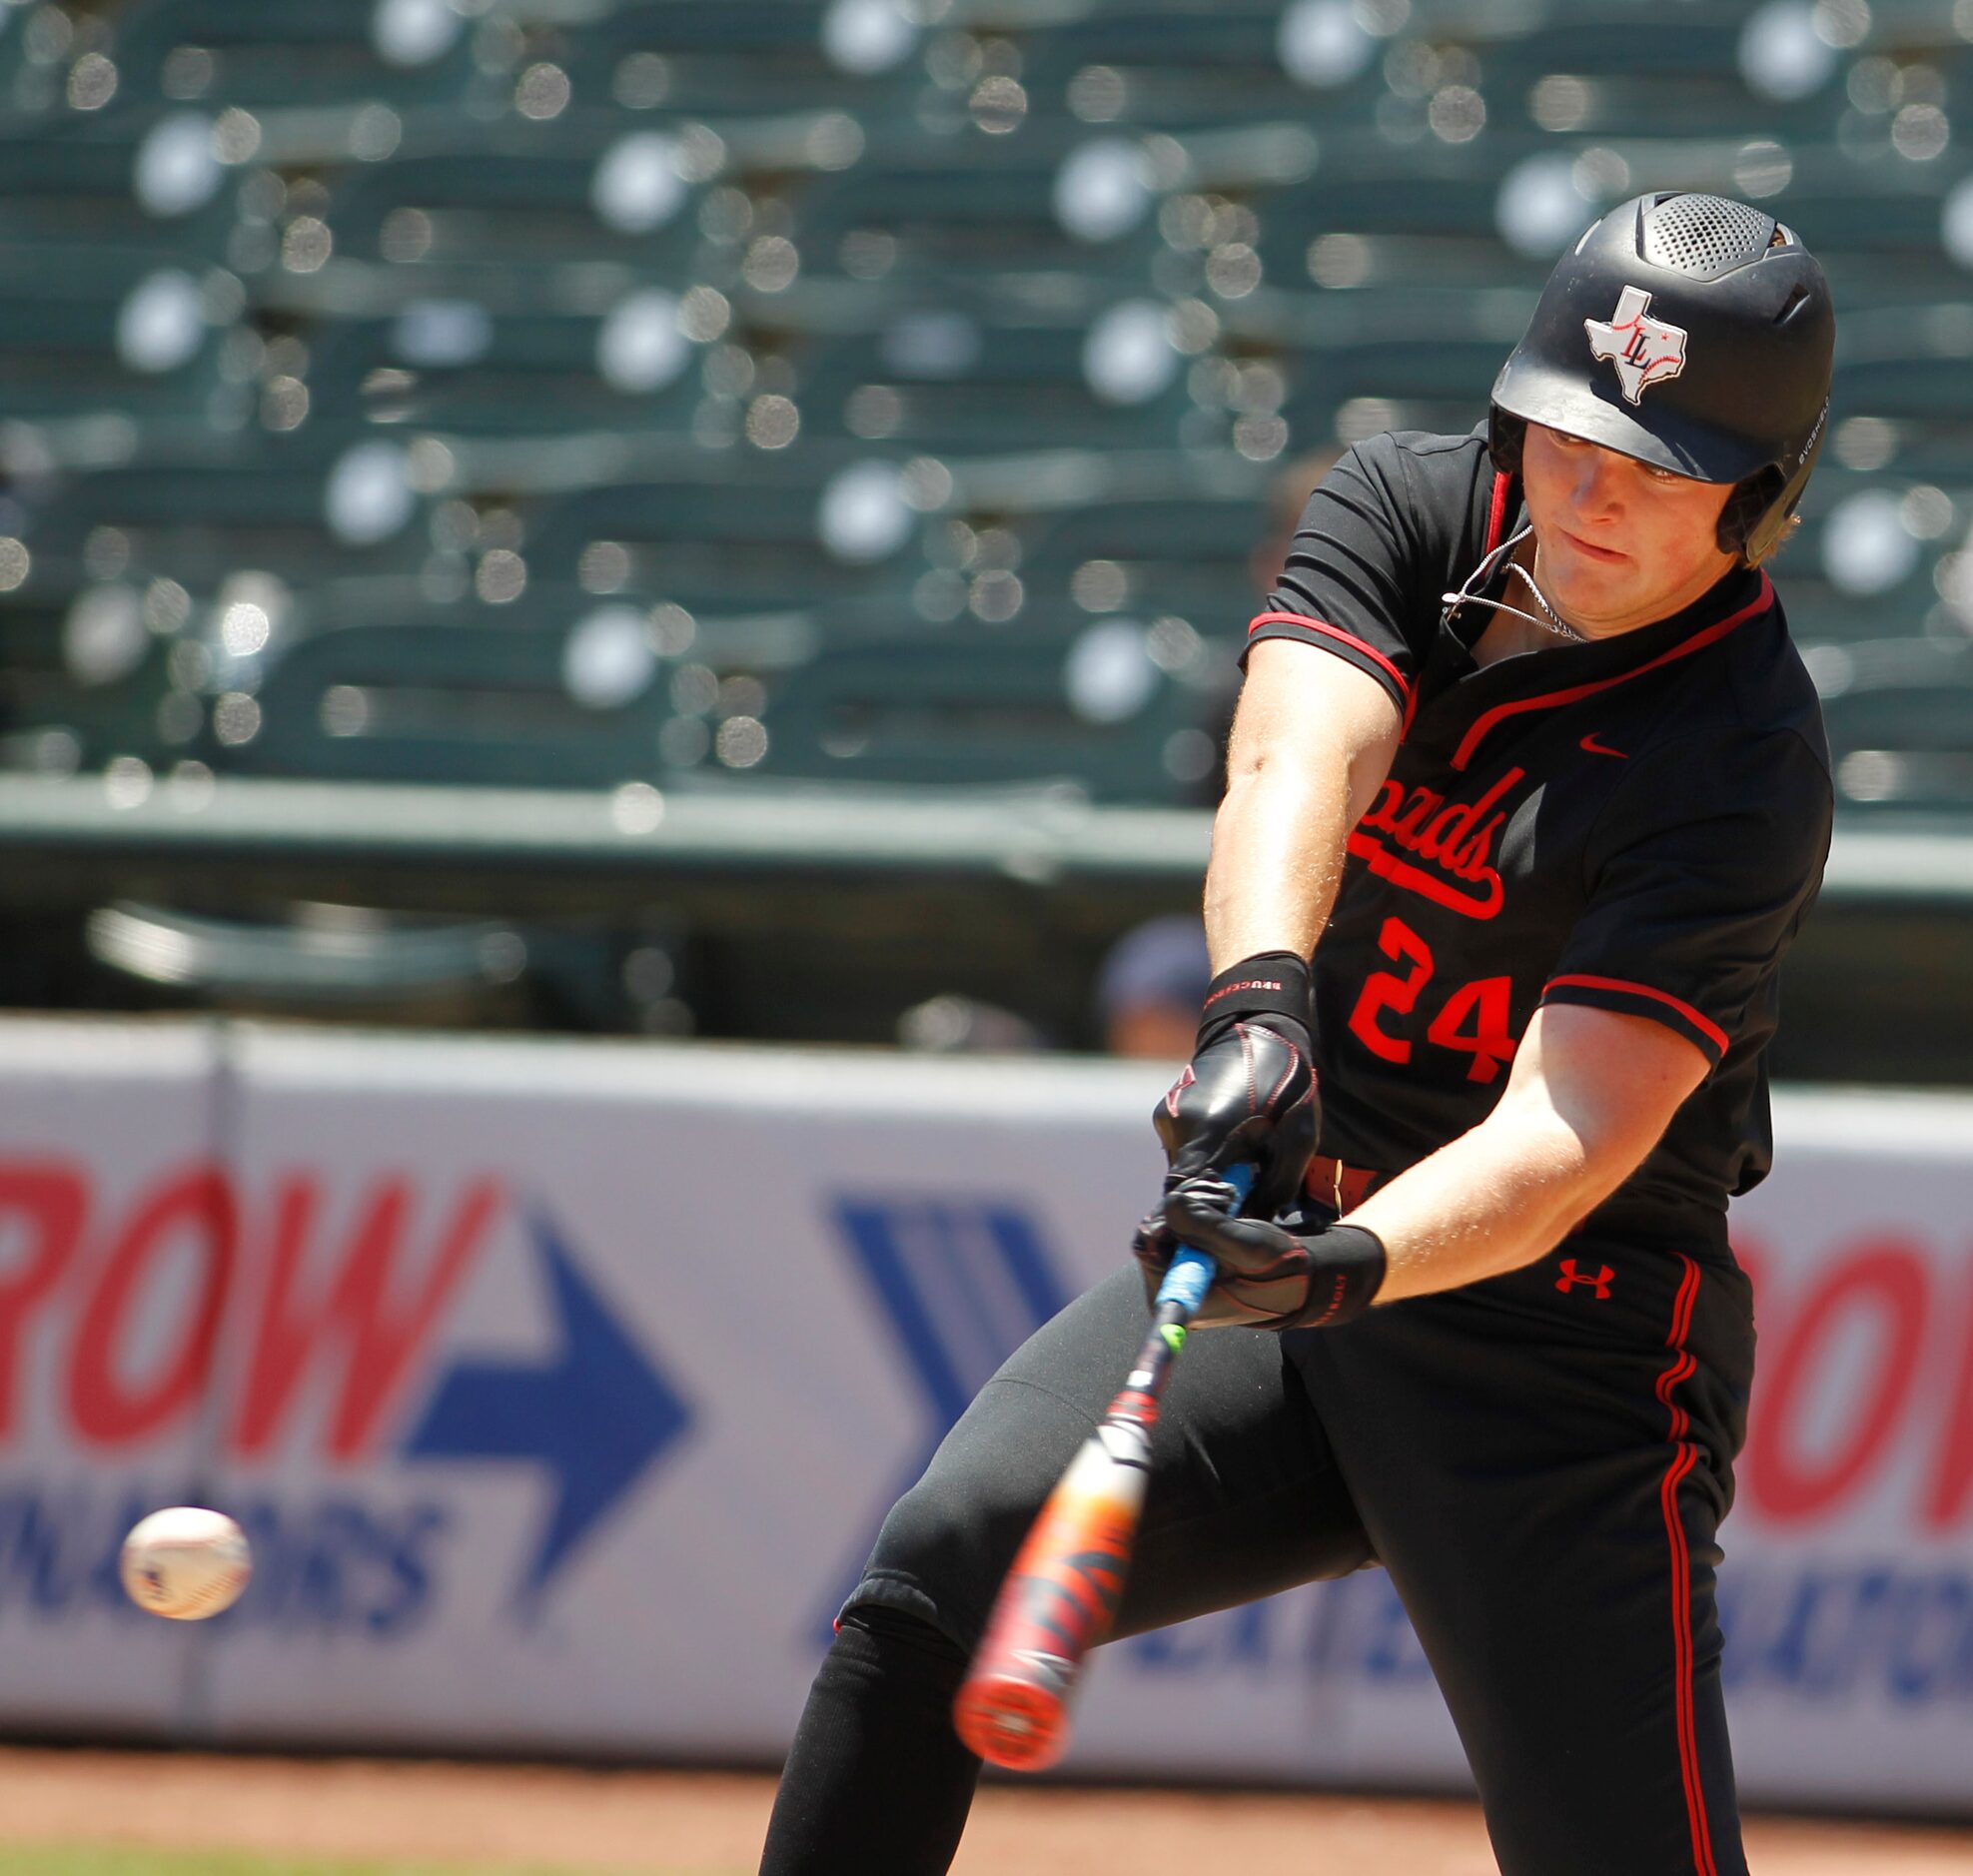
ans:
(1636, 823)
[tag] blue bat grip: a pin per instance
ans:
(1187, 1279)
(1191, 1272)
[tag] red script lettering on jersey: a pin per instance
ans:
(1453, 845)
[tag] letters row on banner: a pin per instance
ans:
(561, 1387)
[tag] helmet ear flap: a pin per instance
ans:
(1746, 509)
(1504, 433)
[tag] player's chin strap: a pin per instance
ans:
(1482, 573)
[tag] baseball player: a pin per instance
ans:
(1527, 796)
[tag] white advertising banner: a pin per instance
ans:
(116, 1244)
(1847, 1591)
(561, 1387)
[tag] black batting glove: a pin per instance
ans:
(1311, 1276)
(1247, 1096)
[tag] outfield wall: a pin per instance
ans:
(560, 1386)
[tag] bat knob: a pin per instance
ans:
(1011, 1722)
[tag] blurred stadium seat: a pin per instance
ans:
(328, 52)
(1099, 713)
(514, 393)
(735, 307)
(1900, 720)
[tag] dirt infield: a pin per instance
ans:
(670, 1823)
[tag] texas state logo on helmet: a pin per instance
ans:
(1643, 350)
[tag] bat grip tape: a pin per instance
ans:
(1191, 1272)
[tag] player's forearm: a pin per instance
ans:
(1311, 743)
(1279, 843)
(1590, 1093)
(1496, 1198)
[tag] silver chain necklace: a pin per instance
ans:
(1548, 618)
(1551, 619)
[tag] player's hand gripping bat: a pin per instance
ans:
(1061, 1595)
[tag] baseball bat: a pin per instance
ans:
(1060, 1597)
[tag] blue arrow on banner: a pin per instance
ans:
(964, 1282)
(596, 1417)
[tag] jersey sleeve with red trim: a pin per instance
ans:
(1370, 558)
(1700, 870)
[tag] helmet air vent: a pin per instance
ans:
(1706, 236)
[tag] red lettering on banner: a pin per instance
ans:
(1951, 1485)
(379, 1331)
(51, 1200)
(1886, 1280)
(112, 1408)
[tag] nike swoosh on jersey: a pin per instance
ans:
(1594, 747)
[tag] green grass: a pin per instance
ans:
(18, 1860)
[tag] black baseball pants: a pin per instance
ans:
(1540, 1462)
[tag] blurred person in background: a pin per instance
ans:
(1149, 990)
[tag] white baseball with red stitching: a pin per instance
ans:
(185, 1562)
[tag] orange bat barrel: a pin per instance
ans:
(1060, 1598)
(1057, 1603)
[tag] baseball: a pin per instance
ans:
(185, 1562)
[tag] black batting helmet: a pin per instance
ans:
(1692, 333)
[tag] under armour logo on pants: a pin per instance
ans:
(1600, 1282)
